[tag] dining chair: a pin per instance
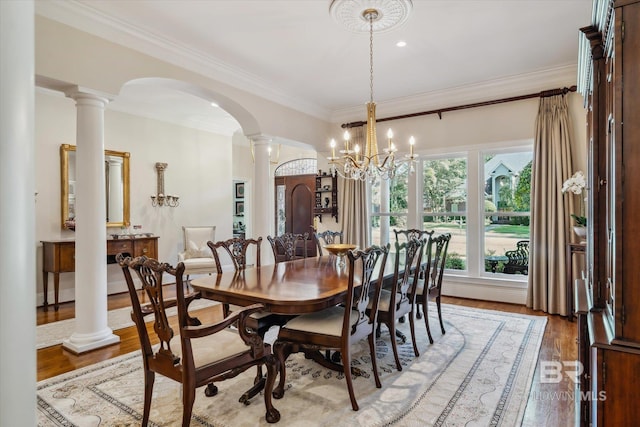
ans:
(289, 246)
(399, 299)
(340, 326)
(236, 249)
(326, 238)
(414, 233)
(200, 354)
(429, 286)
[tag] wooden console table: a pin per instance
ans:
(59, 256)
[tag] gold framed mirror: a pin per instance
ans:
(116, 182)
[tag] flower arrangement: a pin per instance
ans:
(576, 184)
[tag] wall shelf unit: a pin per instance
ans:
(326, 194)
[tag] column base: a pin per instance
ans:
(82, 343)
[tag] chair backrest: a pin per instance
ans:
(436, 261)
(408, 261)
(150, 272)
(411, 233)
(372, 261)
(236, 248)
(326, 238)
(285, 247)
(195, 240)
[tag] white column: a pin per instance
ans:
(262, 197)
(92, 330)
(17, 215)
(115, 190)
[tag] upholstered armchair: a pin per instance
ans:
(197, 257)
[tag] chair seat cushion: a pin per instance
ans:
(212, 348)
(258, 315)
(385, 300)
(325, 322)
(199, 265)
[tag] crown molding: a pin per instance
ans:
(86, 18)
(521, 84)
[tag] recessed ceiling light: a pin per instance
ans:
(213, 104)
(401, 43)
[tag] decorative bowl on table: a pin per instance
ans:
(340, 250)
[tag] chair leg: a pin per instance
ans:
(413, 333)
(149, 378)
(392, 336)
(188, 397)
(374, 362)
(418, 312)
(426, 319)
(440, 315)
(346, 364)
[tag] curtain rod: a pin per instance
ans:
(543, 94)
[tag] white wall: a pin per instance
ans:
(199, 171)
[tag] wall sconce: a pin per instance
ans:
(160, 198)
(271, 160)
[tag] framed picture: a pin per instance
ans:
(239, 190)
(239, 208)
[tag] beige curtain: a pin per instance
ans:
(354, 204)
(550, 210)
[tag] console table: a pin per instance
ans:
(59, 256)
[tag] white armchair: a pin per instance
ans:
(197, 256)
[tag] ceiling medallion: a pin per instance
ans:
(350, 14)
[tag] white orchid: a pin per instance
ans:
(575, 185)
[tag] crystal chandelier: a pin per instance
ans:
(369, 164)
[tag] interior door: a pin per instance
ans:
(299, 200)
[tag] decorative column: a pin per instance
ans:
(262, 191)
(91, 330)
(17, 215)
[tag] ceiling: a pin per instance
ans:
(293, 52)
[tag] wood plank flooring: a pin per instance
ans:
(543, 407)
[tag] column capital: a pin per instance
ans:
(89, 96)
(260, 139)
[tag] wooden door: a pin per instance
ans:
(299, 200)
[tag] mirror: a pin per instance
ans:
(116, 166)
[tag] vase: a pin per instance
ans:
(581, 232)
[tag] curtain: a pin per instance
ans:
(354, 205)
(550, 210)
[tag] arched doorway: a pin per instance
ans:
(295, 198)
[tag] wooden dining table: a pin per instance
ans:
(293, 287)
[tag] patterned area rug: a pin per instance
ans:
(478, 373)
(54, 333)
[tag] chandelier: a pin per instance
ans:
(369, 163)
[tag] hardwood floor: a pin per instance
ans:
(549, 404)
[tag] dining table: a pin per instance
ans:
(291, 287)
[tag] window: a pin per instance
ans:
(444, 204)
(507, 196)
(481, 197)
(389, 206)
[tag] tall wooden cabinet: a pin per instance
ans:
(609, 340)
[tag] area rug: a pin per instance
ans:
(55, 332)
(479, 373)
